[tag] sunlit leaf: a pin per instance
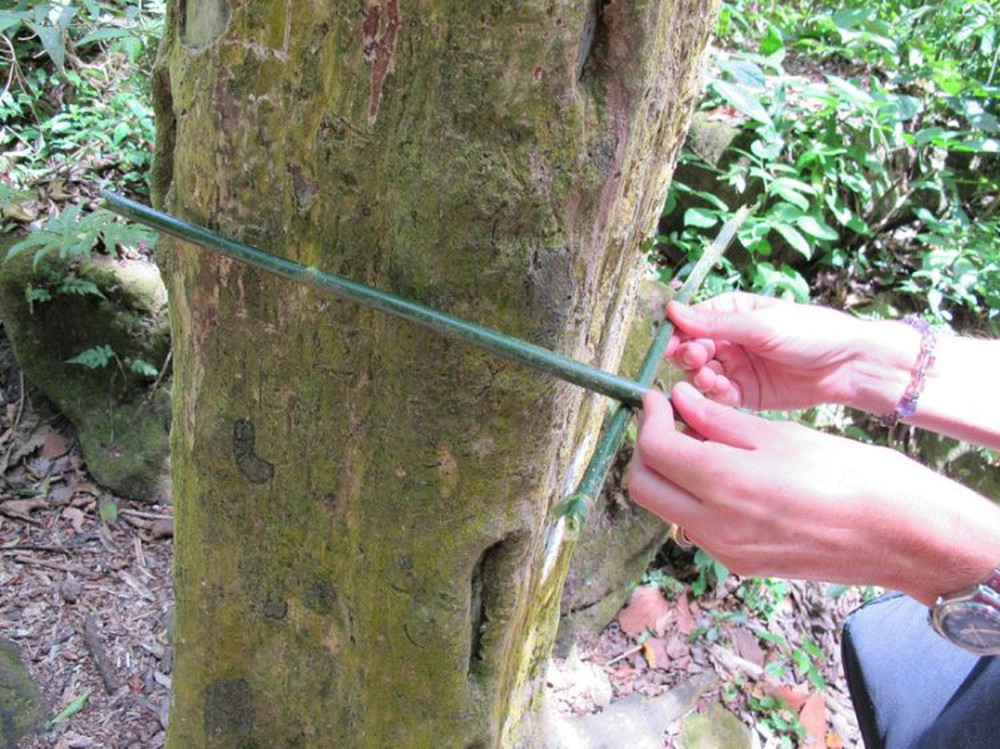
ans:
(700, 218)
(816, 227)
(743, 100)
(795, 240)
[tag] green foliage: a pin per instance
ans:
(99, 357)
(776, 717)
(75, 102)
(870, 150)
(762, 595)
(108, 510)
(60, 31)
(76, 705)
(94, 358)
(73, 234)
(711, 573)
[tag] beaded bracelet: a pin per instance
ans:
(907, 405)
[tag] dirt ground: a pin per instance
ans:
(85, 594)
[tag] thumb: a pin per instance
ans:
(714, 421)
(741, 327)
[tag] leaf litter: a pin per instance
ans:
(88, 601)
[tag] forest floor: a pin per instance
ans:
(86, 596)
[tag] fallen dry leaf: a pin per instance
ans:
(21, 508)
(76, 517)
(677, 646)
(685, 617)
(646, 609)
(812, 716)
(54, 445)
(747, 644)
(655, 651)
(795, 697)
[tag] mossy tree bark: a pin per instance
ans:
(362, 507)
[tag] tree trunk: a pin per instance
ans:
(361, 506)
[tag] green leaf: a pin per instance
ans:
(743, 100)
(795, 240)
(708, 197)
(773, 41)
(976, 114)
(70, 710)
(79, 287)
(36, 294)
(791, 190)
(52, 42)
(817, 227)
(142, 367)
(10, 19)
(744, 72)
(103, 35)
(700, 218)
(93, 358)
(849, 91)
(108, 511)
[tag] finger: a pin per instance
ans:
(724, 391)
(694, 354)
(675, 456)
(717, 422)
(657, 413)
(717, 386)
(741, 327)
(661, 496)
(704, 379)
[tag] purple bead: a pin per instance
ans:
(907, 406)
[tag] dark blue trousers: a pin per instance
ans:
(913, 690)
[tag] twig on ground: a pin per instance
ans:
(626, 654)
(92, 637)
(11, 548)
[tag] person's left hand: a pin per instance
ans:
(774, 498)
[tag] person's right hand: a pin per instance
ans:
(763, 353)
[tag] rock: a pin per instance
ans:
(718, 143)
(632, 723)
(716, 728)
(22, 709)
(122, 427)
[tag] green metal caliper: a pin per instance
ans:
(628, 392)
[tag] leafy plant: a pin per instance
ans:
(99, 357)
(884, 172)
(777, 718)
(73, 234)
(75, 67)
(710, 573)
(762, 595)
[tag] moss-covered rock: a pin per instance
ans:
(716, 728)
(22, 708)
(121, 423)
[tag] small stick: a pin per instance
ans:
(626, 654)
(10, 548)
(145, 515)
(92, 637)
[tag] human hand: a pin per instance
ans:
(764, 353)
(777, 499)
